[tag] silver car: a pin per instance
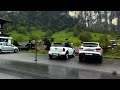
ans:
(8, 48)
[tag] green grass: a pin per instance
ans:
(96, 36)
(36, 33)
(111, 57)
(62, 35)
(25, 37)
(18, 37)
(113, 53)
(58, 36)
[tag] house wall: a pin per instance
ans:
(9, 41)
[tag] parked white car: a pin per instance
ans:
(8, 48)
(113, 42)
(90, 50)
(61, 50)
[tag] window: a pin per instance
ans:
(67, 45)
(3, 40)
(58, 45)
(90, 44)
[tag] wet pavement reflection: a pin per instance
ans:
(31, 70)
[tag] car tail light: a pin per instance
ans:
(98, 49)
(63, 49)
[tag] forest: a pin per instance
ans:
(29, 25)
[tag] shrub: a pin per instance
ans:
(76, 33)
(104, 41)
(115, 51)
(77, 44)
(85, 36)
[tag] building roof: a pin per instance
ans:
(23, 43)
(3, 35)
(2, 21)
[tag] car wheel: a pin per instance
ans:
(0, 51)
(73, 54)
(100, 60)
(80, 58)
(66, 56)
(50, 57)
(15, 51)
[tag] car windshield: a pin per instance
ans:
(58, 45)
(90, 44)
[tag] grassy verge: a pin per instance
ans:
(112, 57)
(113, 53)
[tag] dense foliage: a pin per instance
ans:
(52, 21)
(35, 25)
(24, 21)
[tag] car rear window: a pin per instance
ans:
(114, 42)
(58, 45)
(90, 44)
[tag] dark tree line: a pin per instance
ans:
(24, 21)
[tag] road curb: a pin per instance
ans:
(75, 55)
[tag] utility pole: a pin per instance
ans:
(35, 51)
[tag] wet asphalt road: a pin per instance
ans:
(23, 66)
